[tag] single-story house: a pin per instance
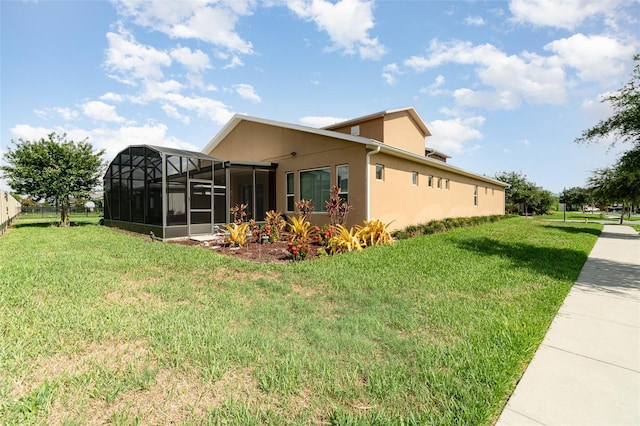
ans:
(379, 161)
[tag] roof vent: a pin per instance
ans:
(355, 130)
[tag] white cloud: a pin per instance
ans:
(111, 97)
(453, 135)
(115, 140)
(168, 94)
(567, 14)
(132, 61)
(434, 88)
(172, 112)
(67, 114)
(347, 22)
(246, 91)
(208, 21)
(476, 21)
(207, 108)
(389, 73)
(111, 140)
(596, 110)
(195, 61)
(504, 99)
(320, 121)
(98, 110)
(597, 57)
(234, 63)
(31, 133)
(509, 78)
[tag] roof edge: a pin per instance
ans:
(238, 118)
(411, 110)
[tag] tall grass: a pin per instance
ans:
(102, 326)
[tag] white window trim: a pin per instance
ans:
(341, 191)
(286, 190)
(381, 179)
(414, 178)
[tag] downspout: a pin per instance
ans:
(368, 179)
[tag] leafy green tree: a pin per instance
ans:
(624, 124)
(515, 193)
(28, 202)
(53, 169)
(621, 180)
(617, 184)
(576, 197)
(523, 195)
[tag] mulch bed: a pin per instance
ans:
(254, 252)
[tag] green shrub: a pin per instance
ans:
(437, 226)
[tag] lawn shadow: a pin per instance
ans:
(557, 263)
(575, 229)
(49, 223)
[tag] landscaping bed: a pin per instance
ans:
(264, 253)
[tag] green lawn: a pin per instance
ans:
(97, 326)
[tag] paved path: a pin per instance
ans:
(587, 370)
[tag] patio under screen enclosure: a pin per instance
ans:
(175, 193)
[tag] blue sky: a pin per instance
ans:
(503, 86)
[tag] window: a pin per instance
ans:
(439, 183)
(414, 178)
(429, 181)
(486, 190)
(315, 186)
(475, 195)
(446, 184)
(342, 181)
(290, 193)
(379, 172)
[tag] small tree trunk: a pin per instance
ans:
(622, 214)
(64, 213)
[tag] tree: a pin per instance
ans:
(524, 196)
(622, 181)
(576, 196)
(617, 184)
(53, 169)
(515, 193)
(624, 125)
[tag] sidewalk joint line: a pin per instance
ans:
(597, 318)
(591, 358)
(522, 414)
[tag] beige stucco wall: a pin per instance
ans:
(396, 200)
(397, 129)
(372, 129)
(401, 131)
(257, 142)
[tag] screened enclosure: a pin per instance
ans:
(175, 193)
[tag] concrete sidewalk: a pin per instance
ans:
(587, 369)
